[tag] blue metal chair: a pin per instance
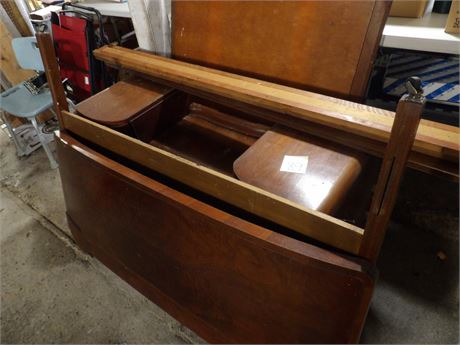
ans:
(20, 102)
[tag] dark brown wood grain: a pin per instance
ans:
(227, 279)
(322, 46)
(330, 173)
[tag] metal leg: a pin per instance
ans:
(72, 106)
(19, 148)
(53, 162)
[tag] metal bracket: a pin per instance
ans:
(415, 90)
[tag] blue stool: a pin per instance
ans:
(18, 101)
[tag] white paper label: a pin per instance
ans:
(86, 80)
(295, 164)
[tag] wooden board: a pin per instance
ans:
(8, 65)
(291, 106)
(314, 224)
(283, 41)
(392, 169)
(227, 279)
(329, 171)
(16, 17)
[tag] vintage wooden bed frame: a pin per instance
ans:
(234, 262)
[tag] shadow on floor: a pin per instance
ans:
(416, 297)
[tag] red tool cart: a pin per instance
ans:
(77, 31)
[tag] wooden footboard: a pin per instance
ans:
(227, 279)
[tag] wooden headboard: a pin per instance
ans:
(322, 46)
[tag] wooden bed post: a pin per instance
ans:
(394, 161)
(48, 54)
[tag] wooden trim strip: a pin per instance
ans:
(432, 140)
(394, 161)
(316, 225)
(48, 54)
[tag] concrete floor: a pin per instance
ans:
(52, 293)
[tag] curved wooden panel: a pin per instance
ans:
(227, 279)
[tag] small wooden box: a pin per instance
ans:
(132, 107)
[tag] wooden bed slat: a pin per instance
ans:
(433, 140)
(316, 225)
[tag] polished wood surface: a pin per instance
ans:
(227, 279)
(163, 113)
(283, 41)
(239, 139)
(330, 172)
(204, 143)
(239, 124)
(211, 137)
(269, 206)
(115, 105)
(394, 161)
(436, 143)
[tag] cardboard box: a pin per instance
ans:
(408, 8)
(453, 20)
(44, 13)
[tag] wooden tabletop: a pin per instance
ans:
(320, 185)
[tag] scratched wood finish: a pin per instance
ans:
(269, 206)
(227, 279)
(330, 173)
(283, 41)
(432, 141)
